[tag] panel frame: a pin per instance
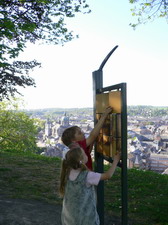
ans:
(99, 157)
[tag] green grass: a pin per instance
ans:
(30, 176)
(147, 197)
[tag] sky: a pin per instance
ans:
(140, 61)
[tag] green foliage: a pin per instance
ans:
(40, 124)
(149, 10)
(52, 113)
(147, 111)
(12, 76)
(24, 21)
(137, 110)
(17, 130)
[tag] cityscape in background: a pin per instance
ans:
(147, 134)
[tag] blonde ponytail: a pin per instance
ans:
(63, 177)
(73, 160)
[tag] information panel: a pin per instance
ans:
(109, 138)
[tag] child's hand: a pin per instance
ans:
(117, 156)
(108, 110)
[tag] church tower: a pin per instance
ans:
(65, 121)
(48, 129)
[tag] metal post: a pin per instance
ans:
(99, 162)
(99, 159)
(124, 157)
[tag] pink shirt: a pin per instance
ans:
(93, 178)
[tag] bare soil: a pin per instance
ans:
(32, 212)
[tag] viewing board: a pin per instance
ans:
(109, 138)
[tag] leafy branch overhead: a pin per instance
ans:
(149, 10)
(23, 21)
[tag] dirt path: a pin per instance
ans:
(28, 212)
(31, 212)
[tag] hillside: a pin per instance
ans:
(136, 110)
(33, 177)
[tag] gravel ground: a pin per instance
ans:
(31, 212)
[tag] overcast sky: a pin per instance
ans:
(141, 60)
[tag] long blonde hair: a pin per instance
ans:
(73, 160)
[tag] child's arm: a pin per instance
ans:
(109, 173)
(94, 133)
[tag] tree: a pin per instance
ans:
(17, 130)
(149, 10)
(23, 21)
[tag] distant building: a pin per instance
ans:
(64, 125)
(57, 129)
(165, 172)
(48, 128)
(158, 162)
(56, 148)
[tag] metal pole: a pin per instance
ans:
(124, 157)
(99, 159)
(99, 162)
